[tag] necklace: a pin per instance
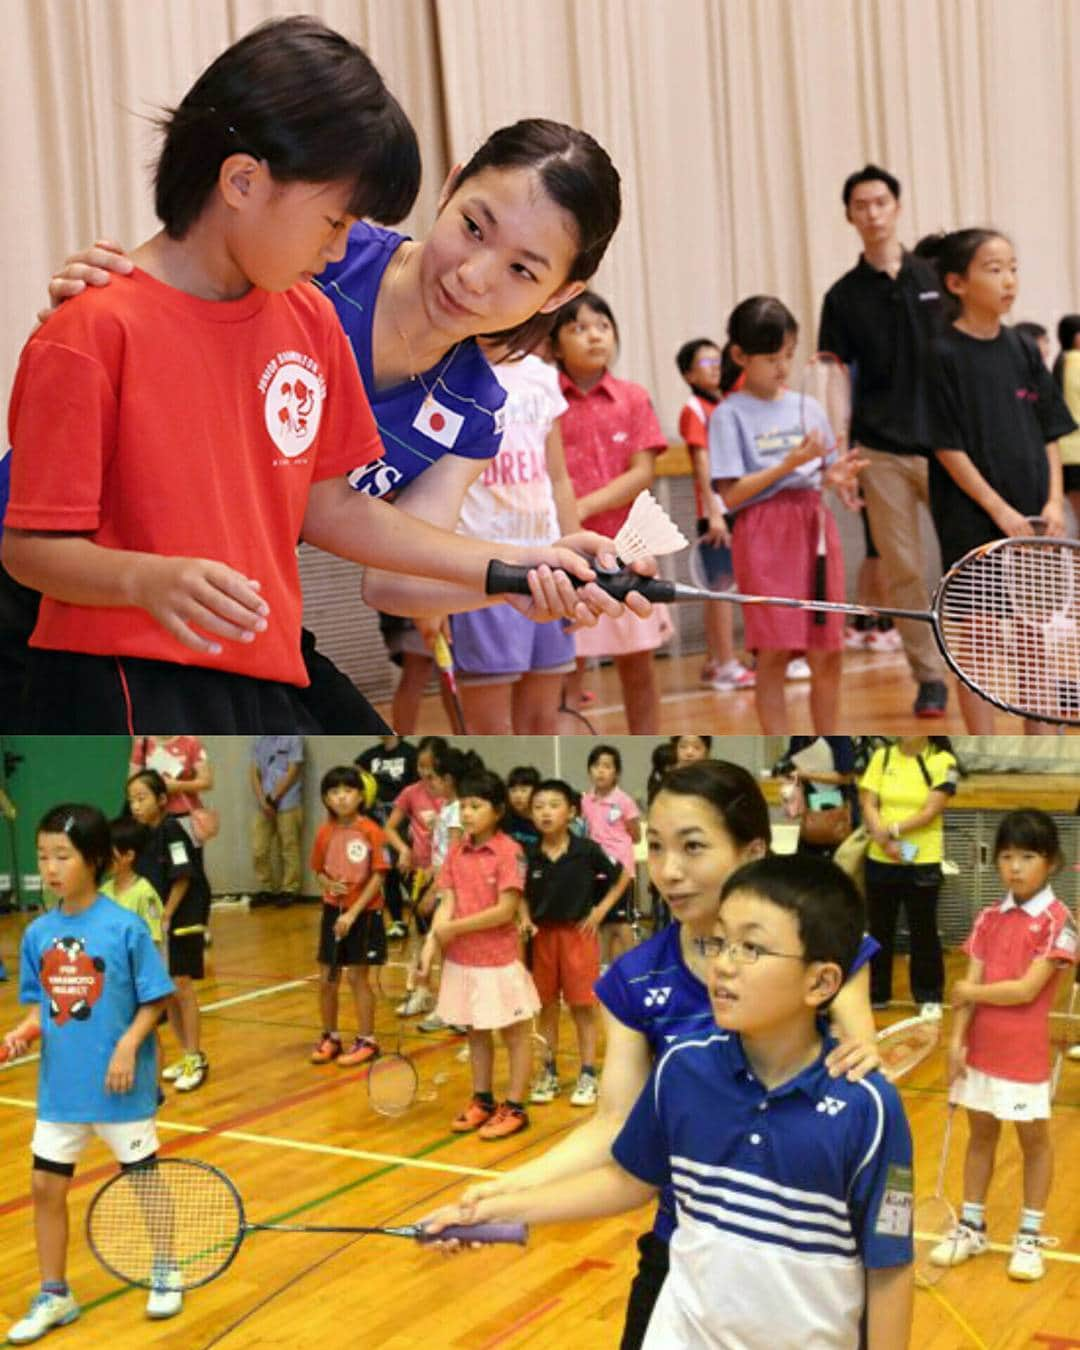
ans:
(414, 372)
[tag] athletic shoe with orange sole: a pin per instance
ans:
(360, 1052)
(477, 1113)
(507, 1120)
(328, 1048)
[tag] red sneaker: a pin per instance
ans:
(327, 1049)
(507, 1120)
(477, 1113)
(359, 1052)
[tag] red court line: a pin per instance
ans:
(521, 1322)
(232, 1123)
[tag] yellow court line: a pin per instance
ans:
(957, 1317)
(276, 1141)
(1070, 1258)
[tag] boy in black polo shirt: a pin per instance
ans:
(880, 318)
(570, 886)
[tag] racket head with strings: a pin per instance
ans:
(30, 1034)
(392, 980)
(905, 1044)
(710, 566)
(174, 1214)
(393, 1084)
(1007, 620)
(935, 1220)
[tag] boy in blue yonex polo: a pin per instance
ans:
(793, 1189)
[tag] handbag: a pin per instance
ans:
(205, 824)
(827, 826)
(850, 855)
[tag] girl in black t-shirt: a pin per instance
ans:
(995, 415)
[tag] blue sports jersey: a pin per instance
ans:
(453, 408)
(652, 990)
(785, 1196)
(90, 972)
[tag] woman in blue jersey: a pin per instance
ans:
(521, 228)
(707, 819)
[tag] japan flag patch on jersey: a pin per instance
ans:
(438, 422)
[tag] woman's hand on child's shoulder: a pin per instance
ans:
(186, 594)
(853, 1060)
(92, 266)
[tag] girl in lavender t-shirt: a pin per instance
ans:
(613, 820)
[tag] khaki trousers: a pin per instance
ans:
(284, 827)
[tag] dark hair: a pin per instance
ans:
(1067, 331)
(128, 835)
(687, 353)
(598, 750)
(306, 100)
(730, 370)
(561, 786)
(662, 761)
(435, 745)
(821, 895)
(674, 741)
(730, 790)
(577, 174)
(86, 828)
(869, 173)
(952, 254)
(341, 775)
(450, 762)
(477, 781)
(569, 312)
(1030, 329)
(1030, 829)
(523, 775)
(153, 781)
(760, 325)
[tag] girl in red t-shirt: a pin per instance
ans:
(485, 986)
(999, 1057)
(611, 438)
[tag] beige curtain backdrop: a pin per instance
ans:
(733, 123)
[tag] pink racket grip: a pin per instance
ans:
(479, 1232)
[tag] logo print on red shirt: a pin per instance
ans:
(293, 408)
(72, 979)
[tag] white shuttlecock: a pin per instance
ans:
(648, 531)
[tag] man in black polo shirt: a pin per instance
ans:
(880, 318)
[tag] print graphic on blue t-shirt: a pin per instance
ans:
(72, 979)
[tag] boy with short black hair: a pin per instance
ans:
(521, 783)
(126, 886)
(570, 886)
(793, 1189)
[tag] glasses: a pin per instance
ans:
(708, 362)
(742, 953)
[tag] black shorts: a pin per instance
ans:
(186, 954)
(625, 911)
(363, 945)
(1071, 474)
(332, 701)
(653, 1260)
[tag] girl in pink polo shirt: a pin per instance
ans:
(999, 1058)
(484, 984)
(613, 821)
(611, 438)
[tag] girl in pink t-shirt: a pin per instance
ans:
(484, 984)
(611, 438)
(613, 820)
(999, 1057)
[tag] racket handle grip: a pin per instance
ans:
(509, 579)
(480, 1232)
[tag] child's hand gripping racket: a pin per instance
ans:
(826, 388)
(183, 1222)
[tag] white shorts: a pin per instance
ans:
(1001, 1097)
(64, 1141)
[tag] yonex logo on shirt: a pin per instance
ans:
(656, 998)
(831, 1106)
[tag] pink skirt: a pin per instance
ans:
(626, 634)
(486, 997)
(774, 551)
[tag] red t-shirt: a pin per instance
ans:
(154, 421)
(421, 807)
(173, 757)
(694, 430)
(1013, 1041)
(350, 853)
(478, 875)
(601, 431)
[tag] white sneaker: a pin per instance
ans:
(855, 638)
(46, 1311)
(396, 932)
(196, 1067)
(416, 1001)
(959, 1246)
(730, 678)
(1074, 1053)
(586, 1090)
(930, 1012)
(884, 640)
(165, 1298)
(545, 1087)
(432, 1022)
(1026, 1262)
(172, 1072)
(799, 669)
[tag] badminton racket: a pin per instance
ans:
(905, 1044)
(183, 1221)
(974, 614)
(444, 661)
(826, 389)
(29, 1034)
(936, 1228)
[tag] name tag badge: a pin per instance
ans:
(896, 1213)
(178, 854)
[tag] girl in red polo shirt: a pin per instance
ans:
(484, 984)
(611, 438)
(999, 1058)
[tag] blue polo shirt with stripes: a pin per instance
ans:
(784, 1197)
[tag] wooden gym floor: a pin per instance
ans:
(303, 1145)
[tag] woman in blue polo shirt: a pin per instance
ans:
(707, 819)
